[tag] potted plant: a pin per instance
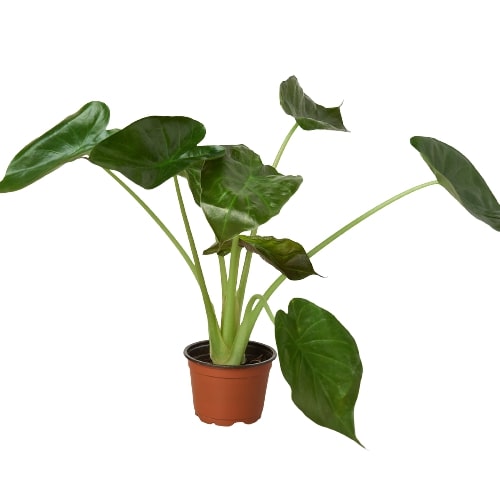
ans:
(238, 194)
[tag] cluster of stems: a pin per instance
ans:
(229, 337)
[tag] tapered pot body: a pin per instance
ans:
(224, 395)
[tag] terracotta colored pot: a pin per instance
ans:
(223, 395)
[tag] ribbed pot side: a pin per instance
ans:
(224, 395)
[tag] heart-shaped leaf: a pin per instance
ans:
(308, 114)
(239, 193)
(154, 149)
(460, 178)
(320, 360)
(72, 138)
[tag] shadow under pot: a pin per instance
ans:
(224, 395)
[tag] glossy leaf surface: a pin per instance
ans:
(154, 149)
(287, 256)
(320, 360)
(193, 177)
(72, 138)
(239, 193)
(308, 114)
(460, 178)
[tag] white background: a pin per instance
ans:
(96, 306)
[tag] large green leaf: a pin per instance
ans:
(72, 138)
(308, 114)
(320, 361)
(154, 149)
(239, 193)
(460, 178)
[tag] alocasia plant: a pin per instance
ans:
(238, 194)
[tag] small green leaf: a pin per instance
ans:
(153, 149)
(460, 178)
(320, 360)
(239, 193)
(287, 256)
(308, 114)
(220, 249)
(72, 138)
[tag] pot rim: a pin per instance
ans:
(202, 343)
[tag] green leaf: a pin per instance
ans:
(154, 149)
(308, 114)
(72, 138)
(320, 361)
(239, 193)
(460, 178)
(287, 256)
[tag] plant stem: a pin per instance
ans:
(162, 226)
(257, 297)
(230, 306)
(223, 275)
(252, 315)
(248, 257)
(213, 327)
(367, 214)
(284, 144)
(246, 327)
(194, 266)
(245, 271)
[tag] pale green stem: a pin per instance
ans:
(230, 306)
(250, 318)
(284, 144)
(248, 257)
(213, 327)
(254, 299)
(194, 266)
(361, 218)
(245, 271)
(162, 226)
(245, 329)
(223, 275)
